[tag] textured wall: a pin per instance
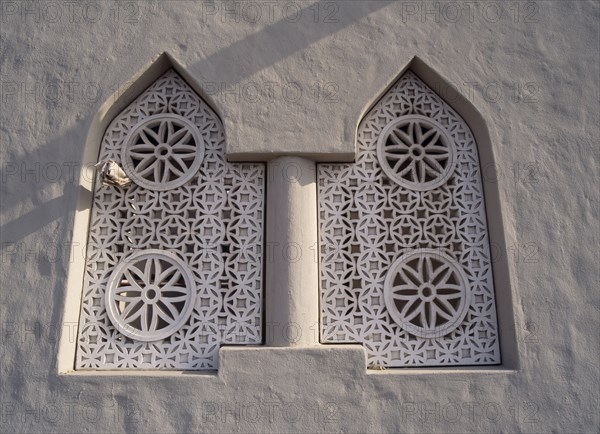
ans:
(290, 81)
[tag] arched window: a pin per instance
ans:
(174, 259)
(405, 265)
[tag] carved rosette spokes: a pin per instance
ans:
(174, 261)
(416, 152)
(150, 295)
(405, 263)
(163, 152)
(426, 294)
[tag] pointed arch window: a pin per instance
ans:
(174, 260)
(405, 264)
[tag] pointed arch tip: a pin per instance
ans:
(443, 88)
(476, 122)
(127, 92)
(143, 78)
(164, 105)
(451, 95)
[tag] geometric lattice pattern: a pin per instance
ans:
(405, 266)
(174, 260)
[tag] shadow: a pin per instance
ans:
(42, 215)
(243, 58)
(282, 39)
(262, 49)
(30, 177)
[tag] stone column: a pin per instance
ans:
(292, 269)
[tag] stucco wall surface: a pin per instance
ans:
(296, 77)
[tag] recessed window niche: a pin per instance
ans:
(405, 262)
(174, 260)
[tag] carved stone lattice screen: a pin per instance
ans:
(174, 261)
(405, 264)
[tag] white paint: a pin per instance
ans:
(532, 74)
(291, 285)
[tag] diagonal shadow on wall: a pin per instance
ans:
(282, 39)
(243, 58)
(29, 177)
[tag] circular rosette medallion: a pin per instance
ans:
(150, 295)
(163, 152)
(426, 293)
(416, 152)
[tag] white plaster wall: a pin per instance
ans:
(532, 73)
